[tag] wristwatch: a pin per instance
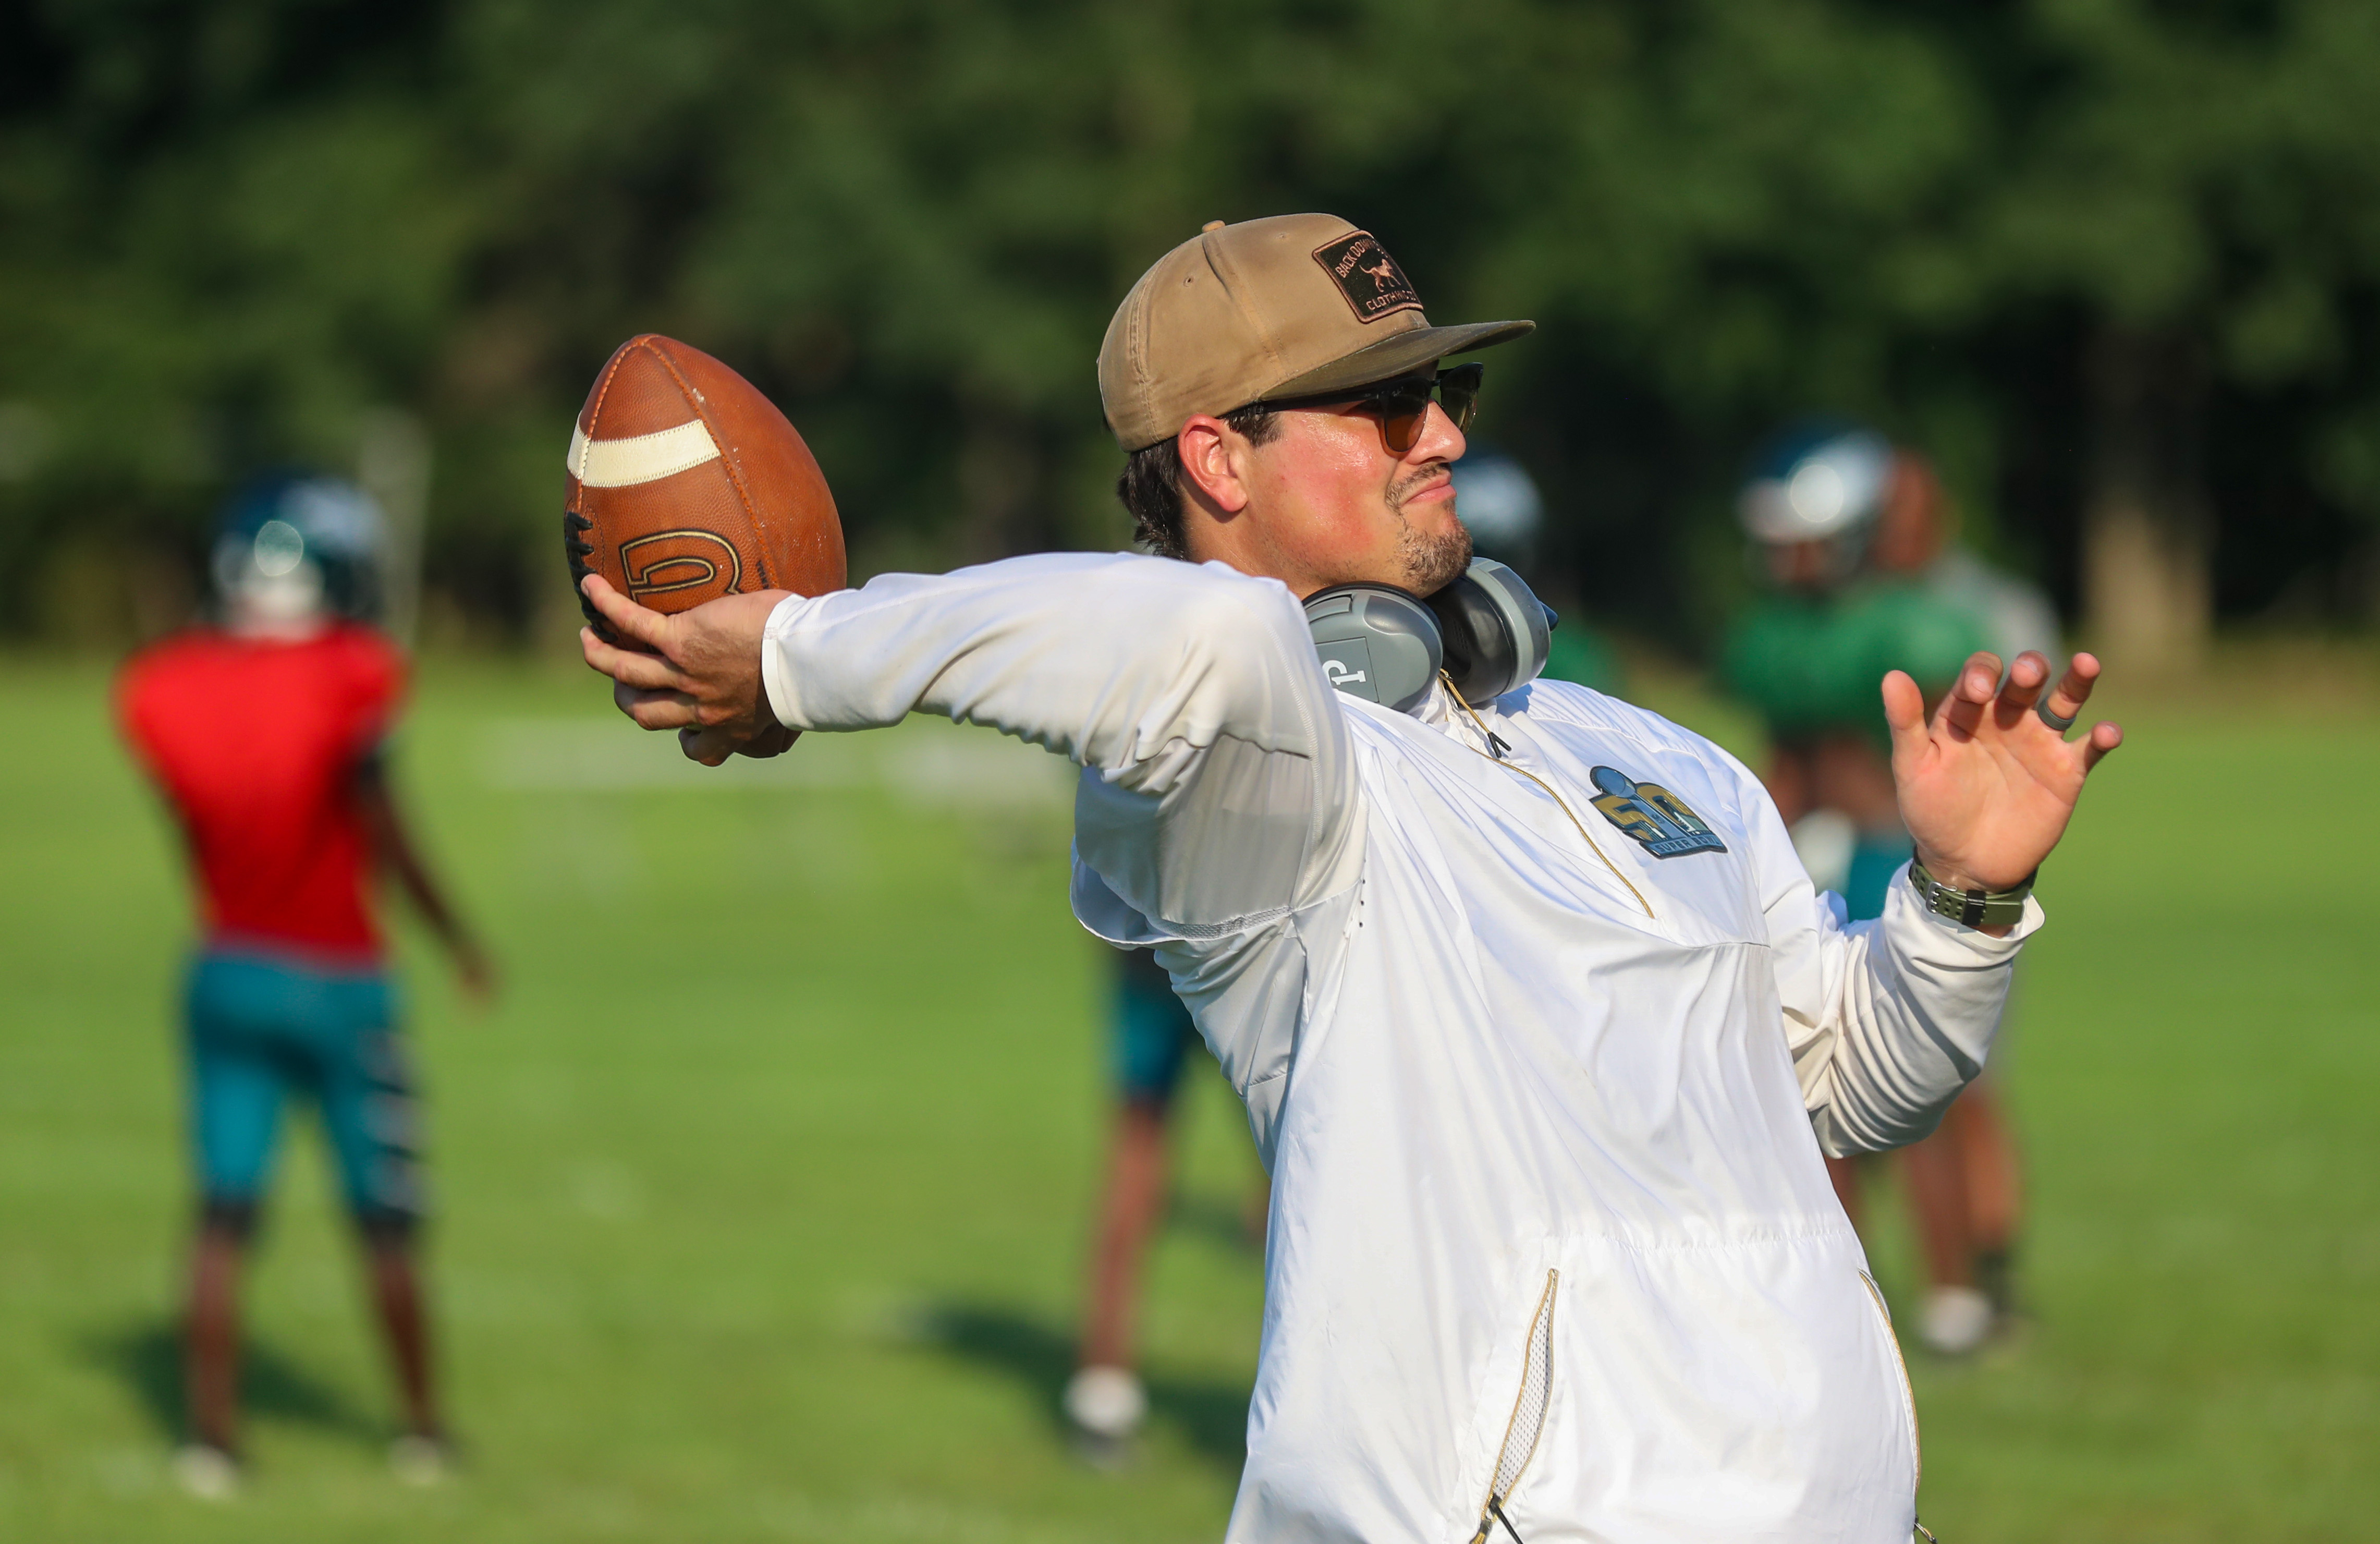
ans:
(1974, 908)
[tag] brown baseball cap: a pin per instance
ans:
(1292, 306)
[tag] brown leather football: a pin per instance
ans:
(687, 484)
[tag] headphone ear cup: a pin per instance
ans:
(1496, 631)
(1377, 642)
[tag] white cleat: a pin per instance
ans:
(420, 1460)
(1107, 1405)
(207, 1472)
(1956, 1320)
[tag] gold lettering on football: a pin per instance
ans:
(668, 561)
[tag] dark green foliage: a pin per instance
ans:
(227, 230)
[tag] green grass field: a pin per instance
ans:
(764, 1187)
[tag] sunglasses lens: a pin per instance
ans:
(1459, 390)
(1402, 407)
(1403, 411)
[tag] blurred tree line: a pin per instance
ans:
(2113, 262)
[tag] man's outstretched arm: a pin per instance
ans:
(1192, 692)
(1888, 1020)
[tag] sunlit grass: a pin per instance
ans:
(763, 1190)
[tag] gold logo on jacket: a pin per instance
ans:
(1653, 816)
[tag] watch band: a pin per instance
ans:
(1972, 909)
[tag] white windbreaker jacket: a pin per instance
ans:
(1541, 1040)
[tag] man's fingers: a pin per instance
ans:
(2025, 679)
(710, 746)
(2075, 689)
(655, 709)
(2103, 738)
(1904, 712)
(1963, 707)
(639, 625)
(713, 746)
(629, 667)
(775, 740)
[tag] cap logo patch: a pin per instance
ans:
(1374, 286)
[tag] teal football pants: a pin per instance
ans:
(261, 1029)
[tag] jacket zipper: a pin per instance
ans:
(1528, 1418)
(1907, 1393)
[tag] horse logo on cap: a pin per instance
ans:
(1369, 279)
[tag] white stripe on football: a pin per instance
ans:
(643, 458)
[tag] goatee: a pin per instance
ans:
(1431, 562)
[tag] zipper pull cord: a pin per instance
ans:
(1495, 1514)
(1563, 804)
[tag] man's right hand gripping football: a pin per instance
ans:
(698, 672)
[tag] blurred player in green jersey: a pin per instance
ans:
(1966, 1179)
(1811, 656)
(1151, 1039)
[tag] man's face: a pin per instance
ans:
(1328, 503)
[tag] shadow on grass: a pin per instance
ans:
(1211, 1413)
(147, 1358)
(1220, 1220)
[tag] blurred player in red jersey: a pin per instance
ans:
(264, 734)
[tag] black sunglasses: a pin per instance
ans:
(1402, 405)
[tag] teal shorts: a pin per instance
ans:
(261, 1029)
(1153, 1033)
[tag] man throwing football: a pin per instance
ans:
(1541, 1029)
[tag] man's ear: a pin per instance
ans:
(1212, 471)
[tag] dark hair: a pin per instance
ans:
(1151, 487)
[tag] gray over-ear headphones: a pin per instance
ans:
(1486, 630)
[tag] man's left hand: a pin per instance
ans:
(1986, 787)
